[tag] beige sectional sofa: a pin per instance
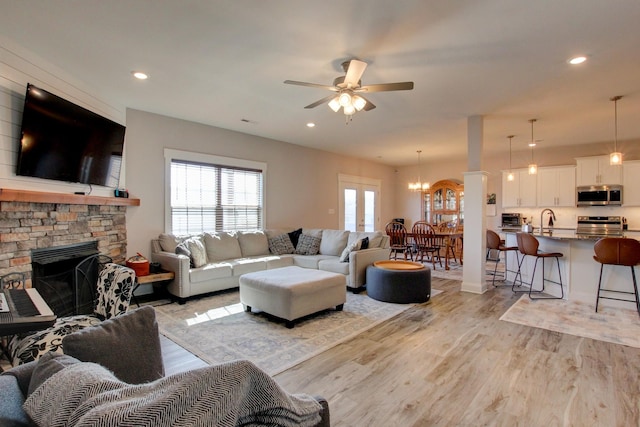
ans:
(211, 262)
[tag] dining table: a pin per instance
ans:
(450, 238)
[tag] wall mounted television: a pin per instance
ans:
(65, 142)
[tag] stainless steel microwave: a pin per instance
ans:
(599, 195)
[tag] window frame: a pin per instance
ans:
(171, 155)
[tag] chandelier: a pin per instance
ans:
(615, 158)
(419, 185)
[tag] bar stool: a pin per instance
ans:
(496, 244)
(528, 245)
(618, 251)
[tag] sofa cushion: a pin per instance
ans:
(222, 246)
(253, 243)
(311, 261)
(128, 345)
(211, 271)
(334, 265)
(168, 242)
(308, 245)
(279, 261)
(375, 237)
(247, 265)
(281, 244)
(333, 242)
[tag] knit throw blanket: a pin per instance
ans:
(231, 394)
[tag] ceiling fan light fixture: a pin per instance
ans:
(334, 104)
(349, 110)
(344, 99)
(359, 102)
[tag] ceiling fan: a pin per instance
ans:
(349, 88)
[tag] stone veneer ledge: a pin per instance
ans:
(25, 226)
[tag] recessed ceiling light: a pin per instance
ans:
(577, 60)
(311, 125)
(139, 75)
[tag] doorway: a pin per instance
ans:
(359, 205)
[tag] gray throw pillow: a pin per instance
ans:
(48, 365)
(128, 345)
(308, 245)
(281, 245)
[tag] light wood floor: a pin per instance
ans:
(452, 362)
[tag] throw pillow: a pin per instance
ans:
(222, 246)
(365, 243)
(295, 236)
(198, 251)
(281, 245)
(182, 249)
(128, 345)
(48, 365)
(308, 245)
(344, 257)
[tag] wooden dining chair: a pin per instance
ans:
(426, 242)
(398, 241)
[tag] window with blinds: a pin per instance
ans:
(209, 197)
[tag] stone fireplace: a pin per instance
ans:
(33, 221)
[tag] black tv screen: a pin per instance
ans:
(63, 141)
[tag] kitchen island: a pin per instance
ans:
(578, 269)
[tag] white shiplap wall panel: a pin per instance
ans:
(18, 66)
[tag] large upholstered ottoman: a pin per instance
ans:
(399, 282)
(292, 292)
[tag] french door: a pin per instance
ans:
(359, 204)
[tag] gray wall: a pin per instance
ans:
(301, 183)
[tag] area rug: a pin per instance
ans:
(217, 329)
(614, 325)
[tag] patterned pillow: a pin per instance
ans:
(308, 245)
(281, 245)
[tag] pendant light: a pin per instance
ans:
(419, 185)
(510, 175)
(533, 168)
(615, 158)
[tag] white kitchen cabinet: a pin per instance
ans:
(556, 186)
(630, 180)
(597, 171)
(521, 192)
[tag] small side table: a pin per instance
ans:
(160, 278)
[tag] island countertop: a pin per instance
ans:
(570, 234)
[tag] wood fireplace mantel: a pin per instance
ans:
(10, 195)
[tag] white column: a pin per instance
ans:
(475, 190)
(475, 241)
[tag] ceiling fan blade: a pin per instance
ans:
(354, 73)
(321, 101)
(293, 82)
(369, 105)
(385, 87)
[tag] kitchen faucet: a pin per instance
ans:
(551, 218)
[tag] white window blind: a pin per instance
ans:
(208, 197)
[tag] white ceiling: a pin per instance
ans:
(219, 62)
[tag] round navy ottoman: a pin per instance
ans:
(399, 282)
